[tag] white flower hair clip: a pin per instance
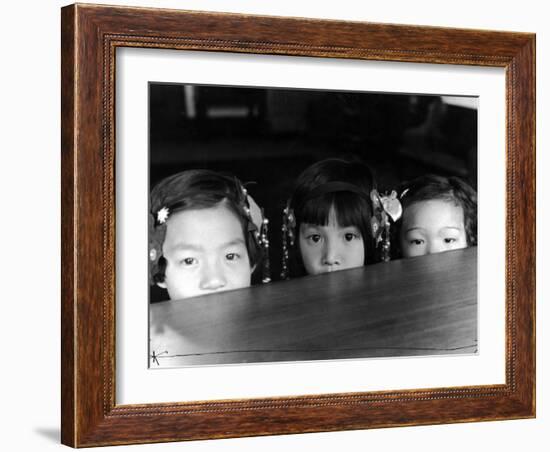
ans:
(162, 215)
(391, 205)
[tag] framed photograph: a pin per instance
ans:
(280, 225)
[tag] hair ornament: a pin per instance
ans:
(403, 193)
(258, 225)
(162, 215)
(262, 236)
(387, 209)
(157, 232)
(288, 229)
(392, 205)
(289, 223)
(254, 214)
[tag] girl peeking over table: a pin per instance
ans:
(335, 219)
(206, 234)
(439, 214)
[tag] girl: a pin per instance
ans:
(327, 223)
(439, 214)
(206, 234)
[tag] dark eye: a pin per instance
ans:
(315, 238)
(416, 242)
(189, 261)
(350, 236)
(450, 240)
(231, 256)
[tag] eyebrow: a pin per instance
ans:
(414, 228)
(420, 228)
(182, 246)
(186, 247)
(238, 241)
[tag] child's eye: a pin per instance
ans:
(232, 256)
(315, 238)
(416, 241)
(189, 261)
(450, 240)
(350, 236)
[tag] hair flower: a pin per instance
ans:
(156, 239)
(392, 205)
(162, 215)
(387, 210)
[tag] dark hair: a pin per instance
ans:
(450, 189)
(197, 189)
(337, 184)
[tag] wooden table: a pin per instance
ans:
(419, 306)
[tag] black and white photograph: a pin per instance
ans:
(293, 225)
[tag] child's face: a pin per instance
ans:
(205, 252)
(330, 248)
(432, 227)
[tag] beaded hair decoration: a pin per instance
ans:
(288, 229)
(386, 210)
(257, 226)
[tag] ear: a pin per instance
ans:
(162, 284)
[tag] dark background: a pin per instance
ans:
(267, 136)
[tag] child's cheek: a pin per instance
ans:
(241, 277)
(410, 250)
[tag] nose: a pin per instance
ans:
(435, 247)
(212, 278)
(332, 255)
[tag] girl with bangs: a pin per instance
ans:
(327, 223)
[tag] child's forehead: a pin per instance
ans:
(221, 210)
(435, 203)
(215, 220)
(434, 209)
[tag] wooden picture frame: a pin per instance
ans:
(90, 36)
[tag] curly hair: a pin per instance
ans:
(449, 189)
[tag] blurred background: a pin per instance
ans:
(267, 136)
